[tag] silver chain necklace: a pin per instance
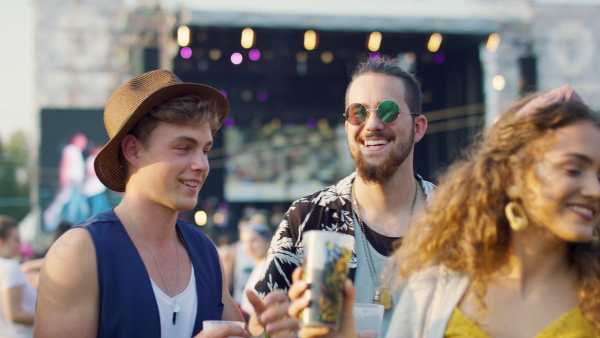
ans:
(382, 293)
(176, 307)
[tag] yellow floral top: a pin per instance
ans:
(571, 325)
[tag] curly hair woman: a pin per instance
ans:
(509, 246)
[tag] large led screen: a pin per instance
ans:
(274, 162)
(69, 190)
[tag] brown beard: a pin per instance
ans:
(380, 174)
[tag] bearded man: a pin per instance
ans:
(376, 204)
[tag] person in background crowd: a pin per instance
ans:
(17, 296)
(237, 263)
(92, 188)
(509, 247)
(255, 238)
(377, 204)
(240, 266)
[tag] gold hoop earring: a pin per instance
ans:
(516, 216)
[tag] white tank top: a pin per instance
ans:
(186, 317)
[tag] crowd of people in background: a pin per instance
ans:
(17, 294)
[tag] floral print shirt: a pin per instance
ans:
(329, 209)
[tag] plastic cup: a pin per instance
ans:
(209, 325)
(326, 264)
(368, 319)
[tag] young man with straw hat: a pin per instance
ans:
(137, 270)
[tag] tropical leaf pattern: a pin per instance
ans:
(329, 209)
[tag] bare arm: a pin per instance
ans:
(31, 269)
(68, 301)
(13, 306)
(230, 310)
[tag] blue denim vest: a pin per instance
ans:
(127, 303)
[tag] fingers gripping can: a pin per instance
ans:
(326, 264)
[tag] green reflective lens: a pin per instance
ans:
(388, 111)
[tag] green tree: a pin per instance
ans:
(14, 177)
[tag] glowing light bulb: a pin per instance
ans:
(183, 36)
(247, 38)
(254, 54)
(310, 40)
(374, 41)
(229, 122)
(214, 54)
(327, 57)
(186, 52)
(201, 217)
(435, 40)
(236, 58)
(493, 42)
(498, 82)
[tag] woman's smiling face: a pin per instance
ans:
(563, 188)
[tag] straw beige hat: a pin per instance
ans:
(130, 102)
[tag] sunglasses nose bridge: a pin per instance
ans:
(368, 110)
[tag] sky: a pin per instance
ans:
(18, 110)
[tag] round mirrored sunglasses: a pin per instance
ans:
(387, 111)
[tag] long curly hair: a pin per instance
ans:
(465, 227)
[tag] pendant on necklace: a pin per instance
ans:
(383, 297)
(176, 309)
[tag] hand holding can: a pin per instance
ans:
(326, 265)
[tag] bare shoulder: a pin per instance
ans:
(68, 302)
(72, 256)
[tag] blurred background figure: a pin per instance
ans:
(237, 258)
(255, 238)
(69, 204)
(241, 266)
(92, 188)
(17, 296)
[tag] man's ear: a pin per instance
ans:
(420, 127)
(130, 147)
